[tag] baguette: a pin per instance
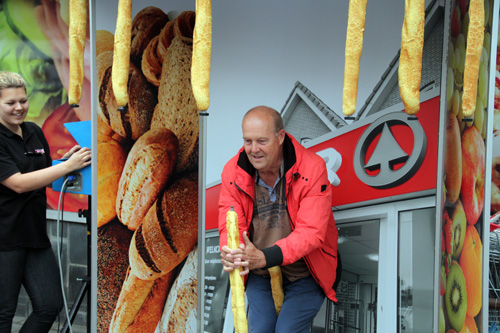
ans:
(235, 279)
(140, 304)
(121, 59)
(77, 36)
(202, 43)
(353, 48)
(475, 36)
(149, 165)
(169, 231)
(277, 287)
(179, 314)
(410, 60)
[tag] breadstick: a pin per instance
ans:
(235, 279)
(475, 38)
(410, 59)
(121, 58)
(353, 48)
(77, 35)
(277, 287)
(200, 66)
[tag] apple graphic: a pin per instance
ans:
(472, 189)
(455, 21)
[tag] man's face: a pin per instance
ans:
(262, 143)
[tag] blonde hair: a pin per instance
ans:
(11, 80)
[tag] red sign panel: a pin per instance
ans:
(399, 149)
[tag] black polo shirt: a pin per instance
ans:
(23, 216)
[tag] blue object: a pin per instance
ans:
(81, 132)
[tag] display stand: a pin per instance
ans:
(86, 280)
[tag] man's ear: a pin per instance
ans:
(281, 136)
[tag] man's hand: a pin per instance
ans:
(230, 258)
(252, 256)
(246, 257)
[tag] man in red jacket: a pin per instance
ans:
(282, 196)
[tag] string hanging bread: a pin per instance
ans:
(121, 58)
(235, 279)
(77, 35)
(475, 36)
(202, 43)
(410, 59)
(353, 48)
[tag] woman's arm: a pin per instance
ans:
(25, 182)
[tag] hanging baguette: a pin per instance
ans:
(410, 59)
(353, 48)
(202, 42)
(475, 38)
(235, 279)
(77, 36)
(121, 58)
(277, 287)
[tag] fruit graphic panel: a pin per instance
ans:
(463, 180)
(34, 43)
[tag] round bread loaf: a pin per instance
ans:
(147, 24)
(149, 165)
(111, 157)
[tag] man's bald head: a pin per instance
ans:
(266, 113)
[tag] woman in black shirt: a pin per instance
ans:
(26, 257)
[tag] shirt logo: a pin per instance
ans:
(378, 170)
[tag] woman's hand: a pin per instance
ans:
(78, 157)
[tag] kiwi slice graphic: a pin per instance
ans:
(459, 226)
(456, 297)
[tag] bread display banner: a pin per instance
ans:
(202, 44)
(147, 172)
(353, 49)
(410, 58)
(463, 222)
(78, 11)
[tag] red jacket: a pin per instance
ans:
(314, 235)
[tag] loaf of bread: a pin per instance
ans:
(135, 120)
(149, 165)
(179, 313)
(151, 63)
(202, 45)
(176, 108)
(121, 60)
(77, 36)
(169, 230)
(140, 304)
(475, 37)
(113, 241)
(104, 41)
(410, 59)
(184, 24)
(164, 40)
(146, 24)
(353, 49)
(111, 157)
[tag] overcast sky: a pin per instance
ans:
(260, 48)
